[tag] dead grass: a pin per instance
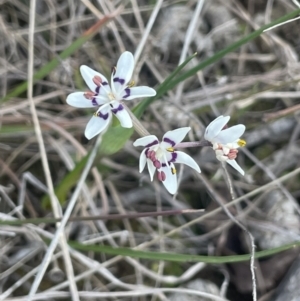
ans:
(258, 85)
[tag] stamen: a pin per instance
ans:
(170, 149)
(161, 176)
(131, 84)
(152, 156)
(231, 156)
(89, 95)
(149, 154)
(157, 164)
(113, 70)
(173, 170)
(97, 80)
(241, 142)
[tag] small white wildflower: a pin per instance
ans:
(161, 156)
(108, 98)
(226, 141)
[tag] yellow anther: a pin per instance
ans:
(241, 142)
(173, 170)
(170, 149)
(131, 84)
(96, 114)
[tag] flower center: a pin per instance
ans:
(111, 96)
(159, 153)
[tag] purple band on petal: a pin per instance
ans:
(97, 90)
(119, 80)
(169, 141)
(103, 116)
(173, 159)
(119, 108)
(152, 143)
(94, 101)
(127, 91)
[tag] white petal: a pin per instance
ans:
(215, 127)
(121, 113)
(143, 160)
(136, 92)
(231, 135)
(78, 100)
(171, 179)
(146, 141)
(234, 164)
(171, 138)
(186, 159)
(88, 74)
(151, 168)
(124, 71)
(97, 124)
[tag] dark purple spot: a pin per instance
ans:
(103, 116)
(127, 90)
(119, 108)
(152, 143)
(173, 159)
(119, 80)
(94, 102)
(97, 90)
(169, 141)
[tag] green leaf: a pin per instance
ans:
(114, 139)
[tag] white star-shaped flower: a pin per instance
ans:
(108, 97)
(225, 141)
(161, 156)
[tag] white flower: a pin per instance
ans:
(161, 156)
(108, 98)
(225, 141)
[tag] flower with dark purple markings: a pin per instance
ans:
(225, 141)
(161, 156)
(108, 97)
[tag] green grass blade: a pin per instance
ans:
(66, 184)
(178, 257)
(227, 50)
(142, 106)
(46, 69)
